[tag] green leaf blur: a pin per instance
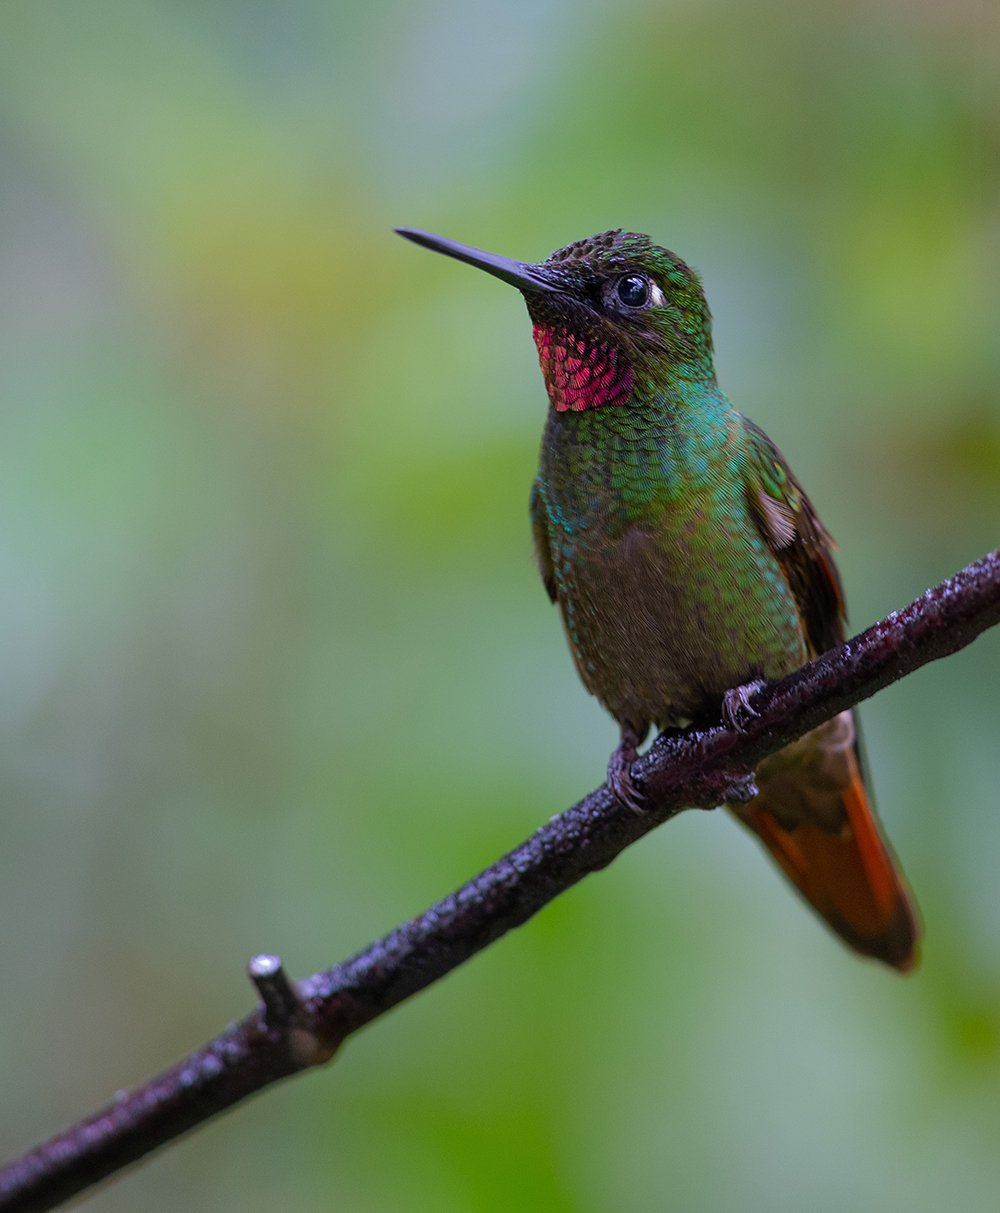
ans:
(276, 669)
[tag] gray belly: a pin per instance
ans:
(662, 622)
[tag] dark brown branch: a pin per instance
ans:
(300, 1025)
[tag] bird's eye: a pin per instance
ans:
(633, 290)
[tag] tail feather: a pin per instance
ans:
(836, 856)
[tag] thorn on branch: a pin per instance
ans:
(279, 996)
(285, 1013)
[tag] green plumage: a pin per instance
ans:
(686, 560)
(648, 540)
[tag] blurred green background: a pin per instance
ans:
(276, 668)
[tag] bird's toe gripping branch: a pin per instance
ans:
(620, 779)
(737, 710)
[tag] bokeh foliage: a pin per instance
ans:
(276, 670)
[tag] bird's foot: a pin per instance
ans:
(737, 711)
(620, 772)
(741, 790)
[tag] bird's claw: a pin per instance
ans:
(741, 790)
(620, 779)
(737, 711)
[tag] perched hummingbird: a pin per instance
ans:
(686, 559)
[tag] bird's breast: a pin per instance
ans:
(669, 593)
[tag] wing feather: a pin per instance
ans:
(540, 533)
(803, 547)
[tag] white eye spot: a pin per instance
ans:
(635, 292)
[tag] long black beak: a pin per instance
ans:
(526, 277)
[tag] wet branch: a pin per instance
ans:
(302, 1024)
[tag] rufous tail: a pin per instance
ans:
(814, 815)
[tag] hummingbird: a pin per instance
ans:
(687, 562)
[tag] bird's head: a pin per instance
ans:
(615, 316)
